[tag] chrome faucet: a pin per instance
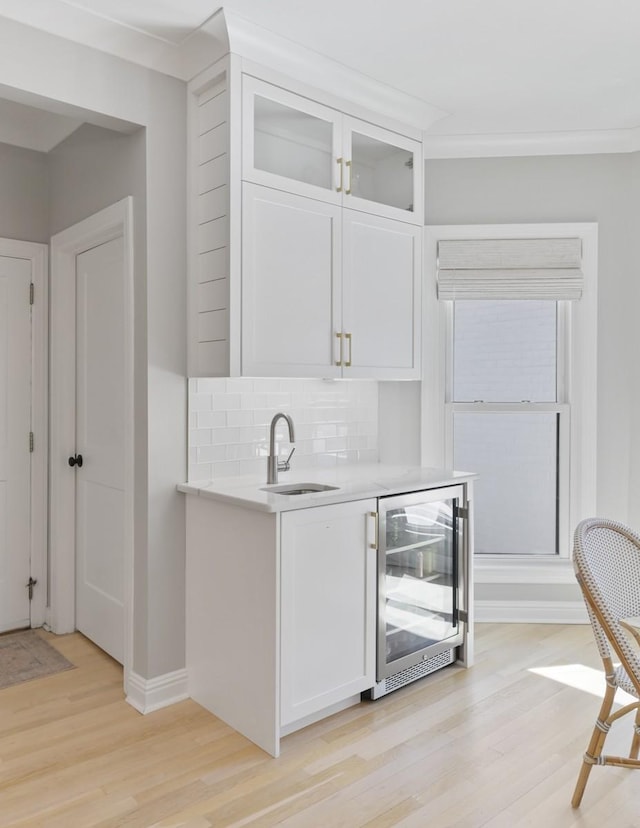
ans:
(275, 465)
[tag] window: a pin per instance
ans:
(509, 388)
(506, 414)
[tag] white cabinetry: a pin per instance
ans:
(328, 607)
(293, 143)
(292, 283)
(280, 614)
(327, 292)
(305, 250)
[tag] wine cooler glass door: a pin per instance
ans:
(417, 577)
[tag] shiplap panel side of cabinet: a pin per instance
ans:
(208, 219)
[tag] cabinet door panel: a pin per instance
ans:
(290, 284)
(381, 296)
(290, 142)
(328, 593)
(384, 174)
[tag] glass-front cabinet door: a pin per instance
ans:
(383, 172)
(295, 144)
(291, 142)
(418, 577)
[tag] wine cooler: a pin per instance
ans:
(421, 595)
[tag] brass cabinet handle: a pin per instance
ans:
(349, 167)
(339, 162)
(374, 545)
(347, 336)
(339, 336)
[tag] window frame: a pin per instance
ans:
(576, 394)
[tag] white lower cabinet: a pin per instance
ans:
(280, 614)
(328, 607)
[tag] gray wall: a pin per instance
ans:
(570, 188)
(600, 188)
(88, 171)
(92, 169)
(75, 77)
(24, 195)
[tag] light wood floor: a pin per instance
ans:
(497, 745)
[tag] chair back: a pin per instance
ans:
(606, 558)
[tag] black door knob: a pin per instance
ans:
(76, 460)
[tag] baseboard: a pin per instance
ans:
(147, 695)
(531, 612)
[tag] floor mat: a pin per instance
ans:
(25, 656)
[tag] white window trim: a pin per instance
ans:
(579, 386)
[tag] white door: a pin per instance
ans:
(384, 172)
(100, 441)
(381, 265)
(291, 143)
(290, 284)
(328, 606)
(15, 425)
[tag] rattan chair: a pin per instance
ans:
(606, 558)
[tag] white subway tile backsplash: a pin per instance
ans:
(211, 454)
(212, 419)
(201, 437)
(226, 402)
(239, 418)
(201, 402)
(335, 422)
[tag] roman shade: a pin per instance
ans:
(510, 268)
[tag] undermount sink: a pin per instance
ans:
(299, 488)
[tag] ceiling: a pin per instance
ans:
(495, 66)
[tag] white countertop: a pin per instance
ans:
(354, 482)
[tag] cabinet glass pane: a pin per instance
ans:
(504, 350)
(292, 143)
(419, 577)
(516, 457)
(381, 172)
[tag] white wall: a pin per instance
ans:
(70, 77)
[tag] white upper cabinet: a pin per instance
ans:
(290, 142)
(291, 284)
(303, 147)
(327, 292)
(381, 266)
(383, 172)
(305, 233)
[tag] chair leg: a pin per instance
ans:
(595, 745)
(635, 742)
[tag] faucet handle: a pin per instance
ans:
(284, 465)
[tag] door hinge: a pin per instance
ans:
(463, 615)
(31, 441)
(463, 512)
(30, 585)
(32, 293)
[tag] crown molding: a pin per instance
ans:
(225, 32)
(197, 52)
(587, 142)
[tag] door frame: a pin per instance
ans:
(102, 227)
(37, 254)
